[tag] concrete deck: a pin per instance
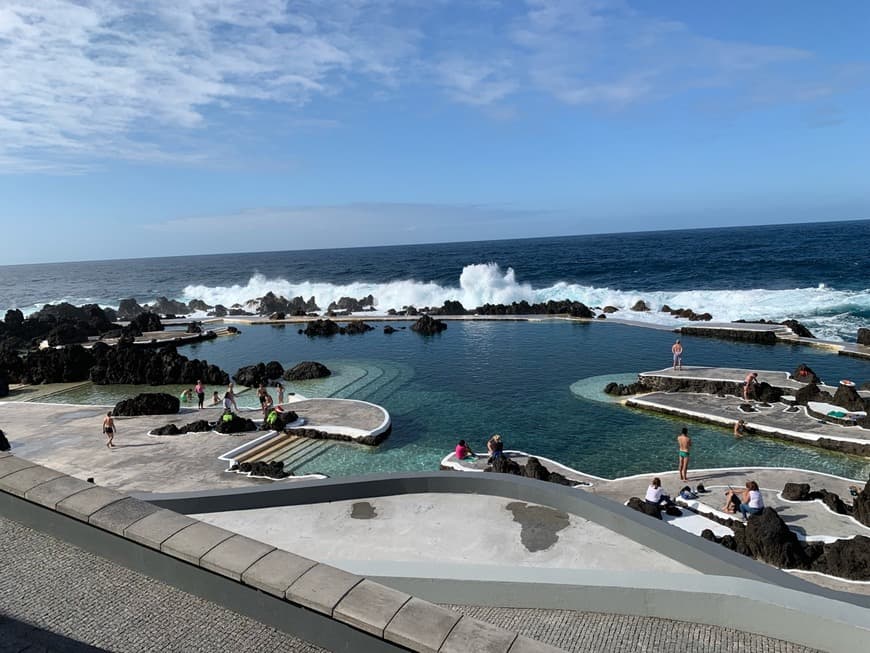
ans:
(68, 438)
(443, 530)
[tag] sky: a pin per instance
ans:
(169, 127)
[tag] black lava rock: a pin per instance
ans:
(147, 403)
(428, 326)
(307, 370)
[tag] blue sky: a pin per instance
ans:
(168, 127)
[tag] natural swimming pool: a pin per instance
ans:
(515, 378)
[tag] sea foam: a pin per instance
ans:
(831, 313)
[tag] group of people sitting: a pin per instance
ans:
(494, 447)
(748, 502)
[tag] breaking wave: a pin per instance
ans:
(831, 314)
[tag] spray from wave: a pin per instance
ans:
(832, 314)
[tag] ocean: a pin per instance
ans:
(537, 383)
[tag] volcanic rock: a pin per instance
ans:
(534, 469)
(4, 443)
(143, 323)
(4, 383)
(451, 307)
(219, 311)
(253, 375)
(612, 309)
(505, 465)
(428, 326)
(307, 370)
(129, 308)
(804, 374)
(640, 305)
(321, 328)
(147, 403)
(810, 392)
(166, 306)
(767, 538)
(847, 397)
(646, 508)
(355, 328)
(864, 337)
(388, 329)
(798, 329)
(229, 422)
(167, 429)
(137, 365)
(846, 559)
(199, 306)
(351, 304)
(861, 505)
(64, 365)
(796, 492)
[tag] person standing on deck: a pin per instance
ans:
(199, 389)
(109, 429)
(677, 350)
(685, 443)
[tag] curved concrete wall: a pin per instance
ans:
(734, 591)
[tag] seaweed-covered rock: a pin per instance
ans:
(428, 326)
(306, 371)
(321, 328)
(147, 403)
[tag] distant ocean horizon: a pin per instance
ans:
(814, 272)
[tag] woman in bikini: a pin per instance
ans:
(109, 429)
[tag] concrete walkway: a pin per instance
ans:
(68, 438)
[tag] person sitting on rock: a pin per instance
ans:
(752, 503)
(463, 451)
(655, 495)
(495, 447)
(732, 502)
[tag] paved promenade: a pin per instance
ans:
(55, 597)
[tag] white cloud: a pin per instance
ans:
(83, 80)
(87, 78)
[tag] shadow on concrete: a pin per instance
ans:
(18, 635)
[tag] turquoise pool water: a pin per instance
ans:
(516, 378)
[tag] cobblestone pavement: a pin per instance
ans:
(589, 631)
(55, 597)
